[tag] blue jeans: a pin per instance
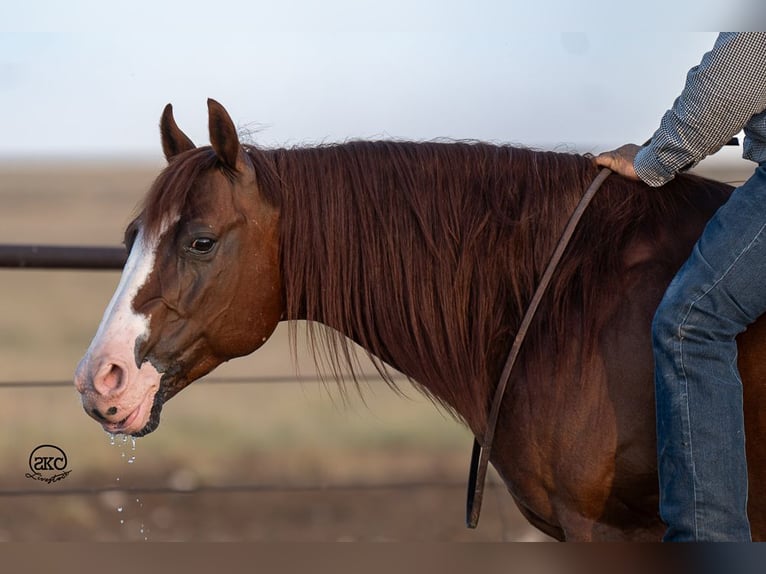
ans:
(719, 291)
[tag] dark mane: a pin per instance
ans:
(427, 254)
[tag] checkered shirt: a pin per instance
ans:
(724, 94)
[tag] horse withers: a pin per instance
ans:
(426, 255)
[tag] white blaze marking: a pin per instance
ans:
(121, 325)
(130, 396)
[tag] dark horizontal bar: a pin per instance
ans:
(425, 483)
(61, 257)
(266, 379)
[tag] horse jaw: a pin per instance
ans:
(117, 389)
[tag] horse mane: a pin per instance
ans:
(427, 254)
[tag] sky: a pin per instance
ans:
(84, 78)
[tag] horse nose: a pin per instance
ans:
(109, 379)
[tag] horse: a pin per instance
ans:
(426, 254)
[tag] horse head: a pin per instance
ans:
(201, 284)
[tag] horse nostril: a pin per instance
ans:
(109, 379)
(98, 415)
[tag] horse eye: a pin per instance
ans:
(201, 245)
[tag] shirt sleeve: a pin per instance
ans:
(721, 94)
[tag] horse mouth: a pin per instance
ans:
(127, 425)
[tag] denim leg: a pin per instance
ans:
(718, 292)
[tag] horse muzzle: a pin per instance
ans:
(118, 395)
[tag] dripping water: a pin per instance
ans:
(127, 446)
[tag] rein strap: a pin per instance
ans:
(481, 450)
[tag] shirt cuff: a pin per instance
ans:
(650, 169)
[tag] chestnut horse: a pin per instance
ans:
(426, 254)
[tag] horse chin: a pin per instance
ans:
(169, 387)
(154, 417)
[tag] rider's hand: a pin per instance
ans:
(620, 160)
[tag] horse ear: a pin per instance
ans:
(174, 141)
(223, 135)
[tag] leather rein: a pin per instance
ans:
(482, 449)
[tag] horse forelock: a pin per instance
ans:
(171, 192)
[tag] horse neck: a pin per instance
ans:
(404, 248)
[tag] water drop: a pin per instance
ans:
(122, 441)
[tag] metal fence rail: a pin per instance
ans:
(62, 257)
(241, 488)
(263, 380)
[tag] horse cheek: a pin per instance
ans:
(249, 320)
(262, 297)
(266, 313)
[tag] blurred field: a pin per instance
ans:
(211, 434)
